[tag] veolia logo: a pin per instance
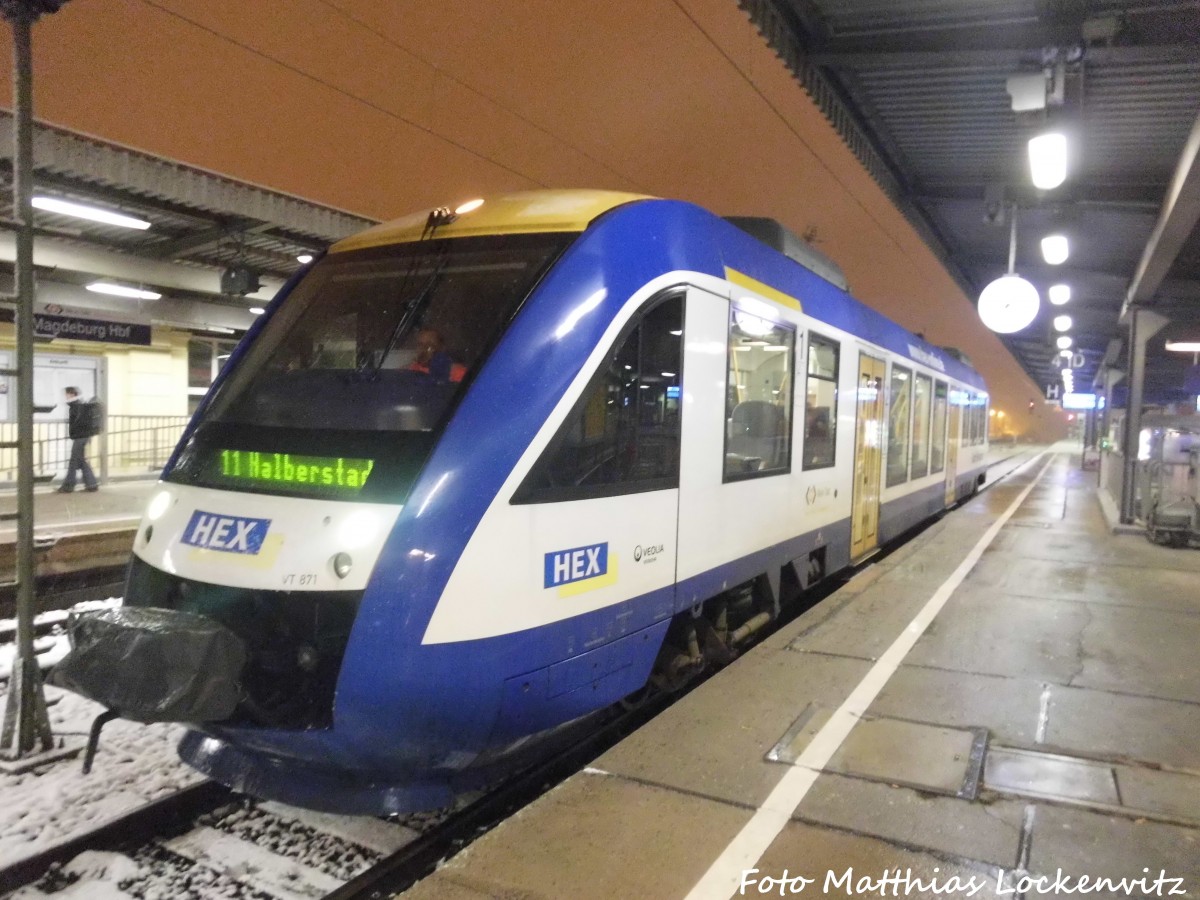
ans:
(646, 553)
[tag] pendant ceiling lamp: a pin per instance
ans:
(1009, 303)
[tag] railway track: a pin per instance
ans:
(64, 590)
(207, 841)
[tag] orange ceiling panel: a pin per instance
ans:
(380, 108)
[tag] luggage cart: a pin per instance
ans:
(1169, 479)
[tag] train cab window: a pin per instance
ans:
(820, 403)
(622, 437)
(937, 443)
(758, 397)
(922, 389)
(383, 339)
(899, 420)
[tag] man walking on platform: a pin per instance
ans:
(80, 427)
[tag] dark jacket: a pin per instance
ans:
(76, 423)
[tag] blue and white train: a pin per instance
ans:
(479, 473)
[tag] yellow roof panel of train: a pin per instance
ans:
(526, 212)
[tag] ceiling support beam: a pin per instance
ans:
(95, 263)
(204, 240)
(1179, 215)
(972, 60)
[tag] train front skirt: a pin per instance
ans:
(154, 665)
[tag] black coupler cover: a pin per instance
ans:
(154, 665)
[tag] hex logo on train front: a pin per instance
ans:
(228, 534)
(576, 564)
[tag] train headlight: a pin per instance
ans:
(158, 506)
(342, 564)
(358, 529)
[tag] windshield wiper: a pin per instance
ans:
(411, 310)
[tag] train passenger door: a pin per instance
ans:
(868, 456)
(952, 442)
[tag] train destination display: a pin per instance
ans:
(284, 471)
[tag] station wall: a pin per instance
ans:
(134, 380)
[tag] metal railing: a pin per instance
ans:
(127, 447)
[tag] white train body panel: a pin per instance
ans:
(261, 540)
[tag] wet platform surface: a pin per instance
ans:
(1044, 724)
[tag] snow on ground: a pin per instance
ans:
(135, 764)
(49, 648)
(8, 627)
(52, 647)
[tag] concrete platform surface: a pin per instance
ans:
(117, 505)
(1006, 706)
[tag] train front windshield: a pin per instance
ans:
(364, 360)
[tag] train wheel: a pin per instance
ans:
(638, 698)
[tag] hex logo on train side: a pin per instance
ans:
(579, 564)
(228, 534)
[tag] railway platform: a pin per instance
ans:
(1006, 706)
(76, 532)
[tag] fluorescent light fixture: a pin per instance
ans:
(1059, 294)
(469, 206)
(668, 374)
(1064, 342)
(304, 259)
(678, 333)
(1062, 323)
(1048, 160)
(122, 290)
(1184, 346)
(1068, 375)
(1055, 249)
(1065, 352)
(1008, 304)
(79, 211)
(257, 310)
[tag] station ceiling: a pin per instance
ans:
(199, 224)
(919, 91)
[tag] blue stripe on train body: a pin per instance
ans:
(407, 707)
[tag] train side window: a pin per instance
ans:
(899, 419)
(937, 446)
(922, 388)
(622, 437)
(758, 397)
(820, 403)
